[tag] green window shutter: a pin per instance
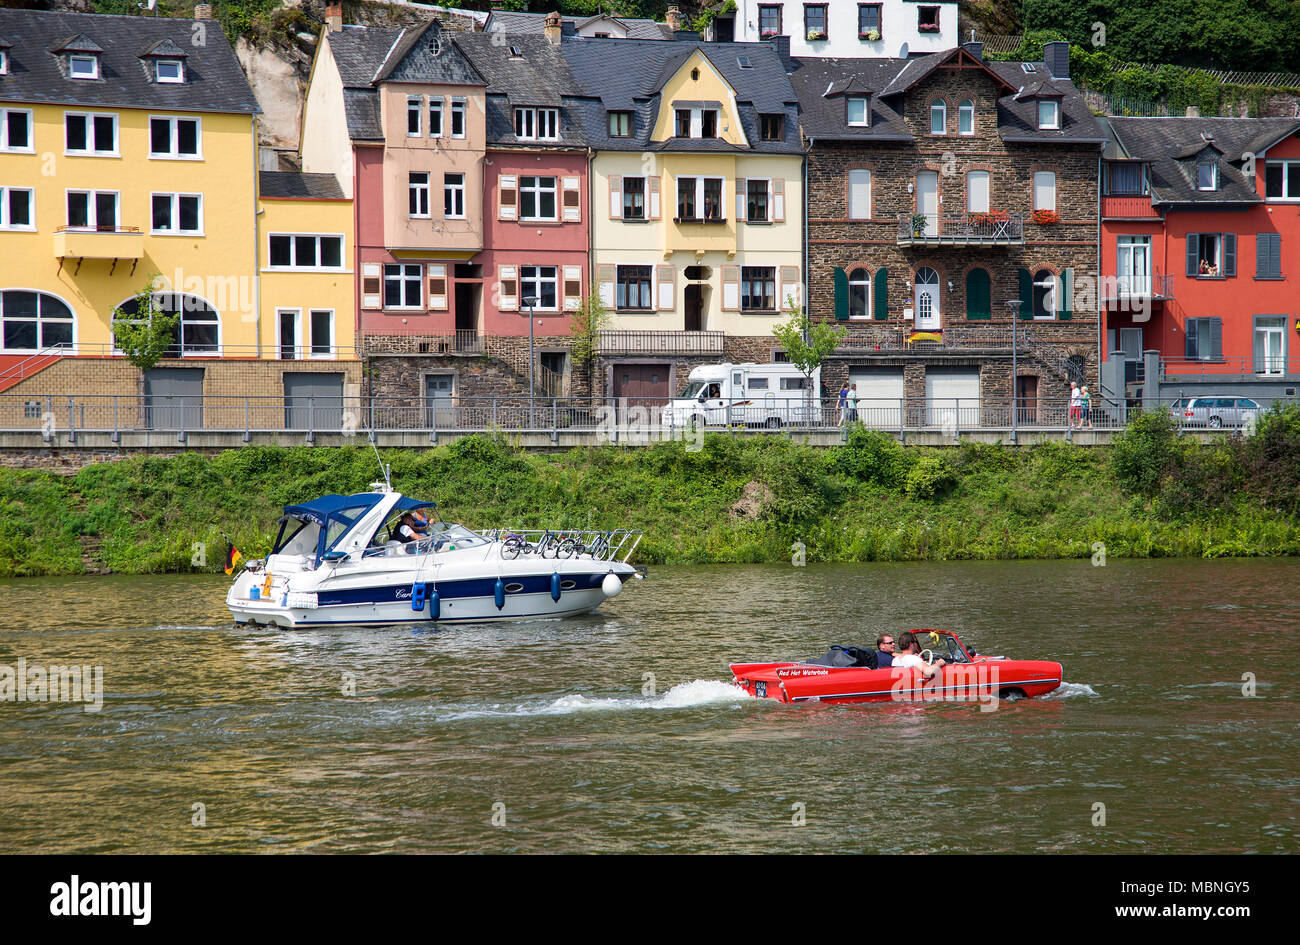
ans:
(1026, 293)
(841, 294)
(1064, 310)
(979, 296)
(880, 292)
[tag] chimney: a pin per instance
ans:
(552, 28)
(202, 11)
(674, 18)
(974, 48)
(334, 17)
(1056, 56)
(782, 46)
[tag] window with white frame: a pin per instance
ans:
(859, 293)
(1044, 190)
(33, 321)
(174, 137)
(537, 124)
(92, 209)
(537, 198)
(540, 283)
(859, 194)
(453, 196)
(435, 116)
(322, 333)
(1270, 344)
(938, 117)
(402, 285)
(16, 208)
(1049, 113)
(1207, 176)
(169, 71)
(458, 118)
(290, 333)
(305, 251)
(966, 117)
(633, 198)
(414, 109)
(198, 331)
(417, 192)
(16, 130)
(977, 191)
(858, 114)
(176, 214)
(696, 122)
(1282, 180)
(83, 66)
(699, 199)
(4, 62)
(92, 133)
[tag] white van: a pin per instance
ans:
(756, 395)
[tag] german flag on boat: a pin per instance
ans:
(233, 557)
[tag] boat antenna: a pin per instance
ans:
(384, 468)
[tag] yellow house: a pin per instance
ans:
(697, 242)
(128, 156)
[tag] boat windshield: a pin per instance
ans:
(945, 647)
(446, 535)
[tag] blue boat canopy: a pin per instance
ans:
(351, 507)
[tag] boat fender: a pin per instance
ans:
(555, 585)
(611, 585)
(435, 604)
(418, 591)
(499, 594)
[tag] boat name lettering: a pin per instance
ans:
(403, 593)
(802, 672)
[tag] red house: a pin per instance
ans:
(1200, 249)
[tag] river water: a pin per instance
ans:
(546, 736)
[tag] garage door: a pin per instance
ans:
(173, 399)
(644, 385)
(880, 394)
(313, 401)
(952, 399)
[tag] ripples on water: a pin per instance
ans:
(559, 722)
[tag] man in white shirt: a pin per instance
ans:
(909, 655)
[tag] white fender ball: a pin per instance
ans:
(611, 585)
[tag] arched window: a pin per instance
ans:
(927, 296)
(1044, 294)
(199, 330)
(979, 294)
(34, 320)
(859, 292)
(938, 117)
(966, 117)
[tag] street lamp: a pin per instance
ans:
(529, 301)
(1014, 306)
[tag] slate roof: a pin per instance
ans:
(214, 82)
(608, 84)
(516, 24)
(822, 84)
(539, 76)
(284, 184)
(1172, 147)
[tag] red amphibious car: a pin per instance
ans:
(848, 674)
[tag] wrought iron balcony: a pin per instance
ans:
(1121, 289)
(962, 229)
(661, 342)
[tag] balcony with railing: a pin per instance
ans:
(1263, 367)
(1128, 288)
(661, 342)
(98, 242)
(1128, 207)
(893, 340)
(962, 229)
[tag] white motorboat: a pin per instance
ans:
(338, 561)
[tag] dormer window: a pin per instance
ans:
(858, 115)
(1207, 177)
(1049, 114)
(4, 62)
(620, 124)
(169, 71)
(537, 124)
(695, 122)
(83, 66)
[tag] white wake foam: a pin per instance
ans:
(1069, 689)
(699, 692)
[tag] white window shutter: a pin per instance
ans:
(615, 197)
(572, 200)
(741, 192)
(572, 288)
(508, 277)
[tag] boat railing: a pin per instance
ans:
(615, 544)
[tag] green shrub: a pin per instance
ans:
(930, 477)
(1144, 453)
(872, 456)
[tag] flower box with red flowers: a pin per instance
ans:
(928, 28)
(1046, 217)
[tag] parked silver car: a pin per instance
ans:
(1215, 412)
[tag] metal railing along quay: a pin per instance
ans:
(67, 418)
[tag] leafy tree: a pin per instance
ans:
(145, 334)
(585, 326)
(807, 343)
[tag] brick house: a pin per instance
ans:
(941, 187)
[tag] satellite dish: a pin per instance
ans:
(902, 51)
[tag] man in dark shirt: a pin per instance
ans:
(885, 657)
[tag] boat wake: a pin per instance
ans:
(700, 692)
(1068, 690)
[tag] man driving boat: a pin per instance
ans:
(414, 526)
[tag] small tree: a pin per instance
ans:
(585, 326)
(807, 343)
(145, 334)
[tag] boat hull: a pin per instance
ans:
(981, 680)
